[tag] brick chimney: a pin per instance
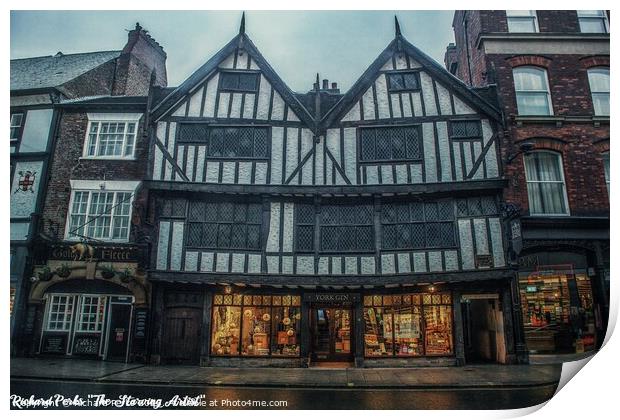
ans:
(141, 58)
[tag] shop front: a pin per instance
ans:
(227, 325)
(559, 311)
(93, 305)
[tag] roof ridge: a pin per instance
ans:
(65, 55)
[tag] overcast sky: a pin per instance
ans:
(338, 45)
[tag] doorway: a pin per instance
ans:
(331, 331)
(181, 342)
(118, 332)
(483, 330)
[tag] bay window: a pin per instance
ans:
(599, 88)
(522, 20)
(111, 136)
(546, 189)
(532, 91)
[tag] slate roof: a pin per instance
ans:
(105, 100)
(52, 71)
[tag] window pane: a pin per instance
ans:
(408, 340)
(592, 25)
(545, 185)
(438, 329)
(599, 80)
(256, 329)
(521, 24)
(528, 78)
(287, 327)
(378, 332)
(533, 103)
(396, 81)
(226, 323)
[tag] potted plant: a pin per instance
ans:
(126, 275)
(63, 271)
(45, 274)
(107, 272)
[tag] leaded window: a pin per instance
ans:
(100, 215)
(228, 142)
(390, 143)
(346, 228)
(224, 225)
(465, 129)
(403, 81)
(239, 81)
(476, 206)
(417, 225)
(304, 220)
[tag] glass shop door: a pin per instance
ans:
(331, 334)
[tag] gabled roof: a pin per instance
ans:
(52, 71)
(239, 41)
(400, 44)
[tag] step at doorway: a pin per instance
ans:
(331, 365)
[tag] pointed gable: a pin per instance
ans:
(201, 94)
(437, 92)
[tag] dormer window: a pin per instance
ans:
(403, 81)
(246, 82)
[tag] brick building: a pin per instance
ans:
(550, 70)
(88, 250)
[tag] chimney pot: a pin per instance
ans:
(325, 84)
(334, 85)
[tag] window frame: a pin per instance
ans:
(562, 182)
(66, 322)
(20, 127)
(607, 172)
(224, 73)
(340, 205)
(602, 17)
(533, 16)
(415, 73)
(219, 222)
(425, 223)
(99, 320)
(207, 141)
(466, 137)
(593, 93)
(120, 118)
(547, 92)
(87, 215)
(359, 134)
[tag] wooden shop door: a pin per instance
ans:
(331, 333)
(181, 338)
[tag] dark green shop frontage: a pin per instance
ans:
(228, 324)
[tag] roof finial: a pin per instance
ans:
(138, 27)
(242, 26)
(397, 27)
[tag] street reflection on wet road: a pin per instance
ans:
(303, 398)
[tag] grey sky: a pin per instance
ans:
(297, 44)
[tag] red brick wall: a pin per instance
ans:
(66, 164)
(581, 144)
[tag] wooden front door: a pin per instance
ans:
(181, 343)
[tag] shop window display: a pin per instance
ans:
(408, 325)
(256, 325)
(558, 311)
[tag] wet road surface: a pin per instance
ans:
(289, 398)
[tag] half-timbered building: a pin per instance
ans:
(298, 228)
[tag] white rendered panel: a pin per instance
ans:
(382, 97)
(211, 96)
(277, 143)
(428, 94)
(430, 159)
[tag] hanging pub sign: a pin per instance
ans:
(516, 237)
(93, 252)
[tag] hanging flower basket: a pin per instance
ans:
(107, 272)
(45, 274)
(63, 271)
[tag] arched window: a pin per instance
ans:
(599, 87)
(546, 190)
(606, 169)
(532, 91)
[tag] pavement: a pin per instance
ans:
(549, 359)
(470, 376)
